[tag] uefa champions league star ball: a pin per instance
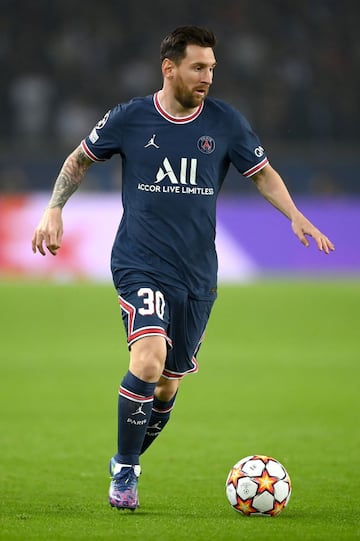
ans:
(258, 485)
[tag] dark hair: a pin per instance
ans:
(174, 45)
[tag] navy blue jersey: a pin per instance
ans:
(172, 172)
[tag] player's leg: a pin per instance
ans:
(136, 395)
(147, 337)
(164, 401)
(186, 329)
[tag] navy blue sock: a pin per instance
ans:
(159, 417)
(134, 411)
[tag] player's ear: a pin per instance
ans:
(167, 68)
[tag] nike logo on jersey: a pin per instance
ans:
(151, 142)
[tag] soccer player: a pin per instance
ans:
(176, 147)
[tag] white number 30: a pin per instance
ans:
(154, 302)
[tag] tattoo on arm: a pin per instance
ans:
(70, 177)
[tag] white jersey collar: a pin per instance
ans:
(175, 119)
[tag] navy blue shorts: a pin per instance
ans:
(149, 309)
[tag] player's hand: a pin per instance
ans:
(303, 228)
(49, 232)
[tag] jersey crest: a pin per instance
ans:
(206, 144)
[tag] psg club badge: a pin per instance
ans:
(206, 144)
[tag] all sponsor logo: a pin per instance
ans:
(176, 179)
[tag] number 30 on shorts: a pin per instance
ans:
(154, 302)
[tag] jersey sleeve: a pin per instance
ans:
(246, 152)
(105, 139)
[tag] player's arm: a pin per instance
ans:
(272, 187)
(50, 229)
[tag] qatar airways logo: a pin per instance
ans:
(182, 179)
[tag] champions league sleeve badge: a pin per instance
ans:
(94, 136)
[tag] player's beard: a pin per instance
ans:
(187, 98)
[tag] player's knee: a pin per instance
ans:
(166, 389)
(147, 358)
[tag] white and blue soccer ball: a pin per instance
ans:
(258, 485)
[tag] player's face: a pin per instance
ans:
(193, 76)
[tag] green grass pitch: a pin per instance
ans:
(279, 375)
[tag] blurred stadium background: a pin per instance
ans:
(292, 68)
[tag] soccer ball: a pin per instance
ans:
(258, 485)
